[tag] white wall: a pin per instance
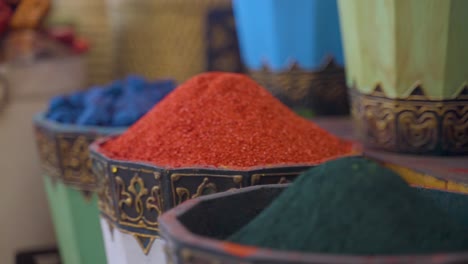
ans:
(25, 223)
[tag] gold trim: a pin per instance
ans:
(132, 196)
(237, 179)
(136, 189)
(414, 124)
(256, 178)
(65, 157)
(152, 203)
(182, 193)
(105, 199)
(323, 90)
(48, 153)
(139, 238)
(422, 179)
(135, 199)
(205, 186)
(418, 93)
(75, 160)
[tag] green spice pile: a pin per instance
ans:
(353, 206)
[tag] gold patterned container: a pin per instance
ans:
(404, 61)
(71, 187)
(323, 90)
(178, 38)
(135, 194)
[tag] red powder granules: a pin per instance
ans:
(223, 120)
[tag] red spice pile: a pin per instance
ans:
(223, 120)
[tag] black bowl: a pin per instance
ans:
(135, 194)
(194, 231)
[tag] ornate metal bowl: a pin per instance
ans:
(135, 194)
(194, 231)
(63, 151)
(415, 124)
(322, 90)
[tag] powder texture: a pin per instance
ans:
(119, 103)
(353, 206)
(223, 120)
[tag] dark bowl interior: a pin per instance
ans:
(199, 226)
(211, 219)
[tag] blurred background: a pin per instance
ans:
(294, 48)
(61, 46)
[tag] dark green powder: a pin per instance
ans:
(353, 206)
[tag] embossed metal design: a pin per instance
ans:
(134, 195)
(273, 178)
(130, 199)
(75, 161)
(138, 206)
(412, 125)
(65, 157)
(323, 90)
(48, 153)
(105, 202)
(183, 188)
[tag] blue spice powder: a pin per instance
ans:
(354, 206)
(120, 103)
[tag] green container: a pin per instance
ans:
(71, 188)
(405, 63)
